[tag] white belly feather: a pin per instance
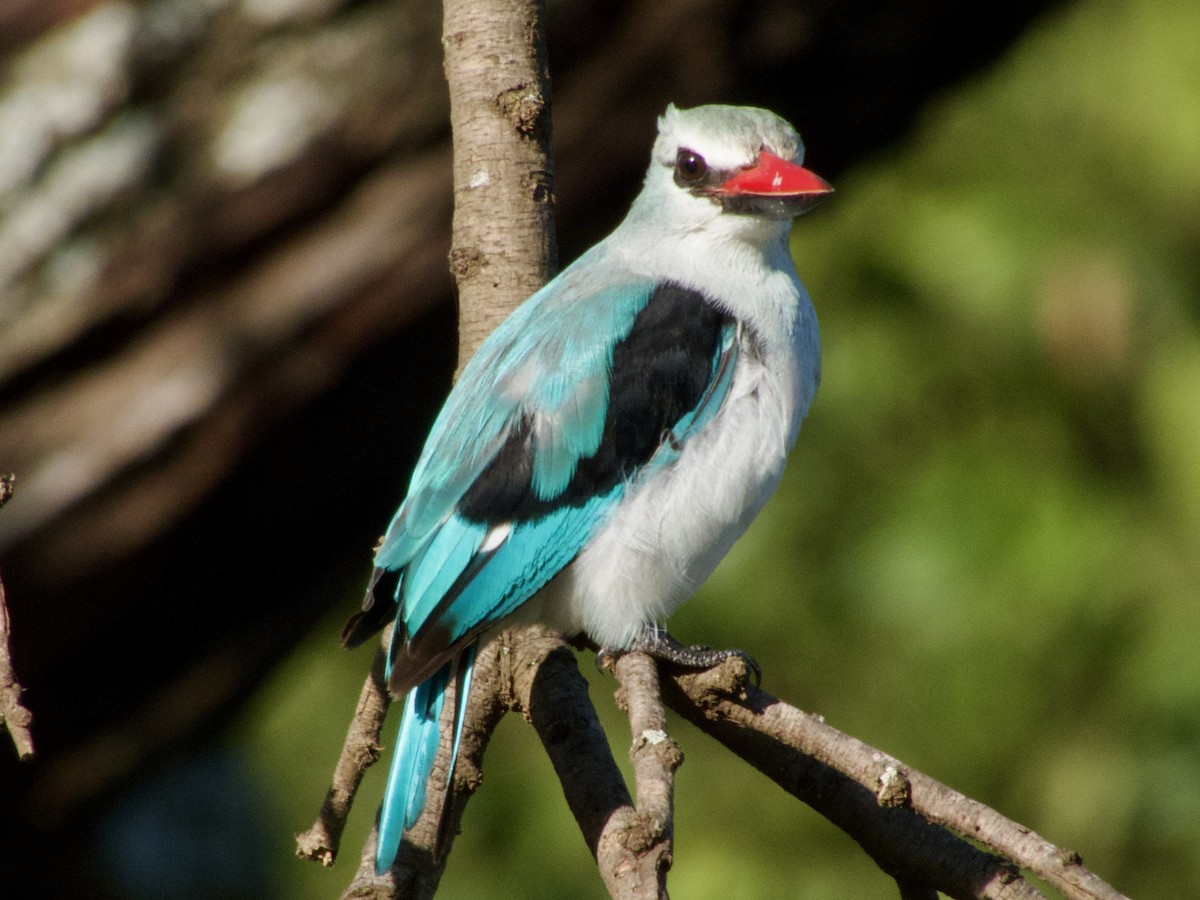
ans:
(667, 535)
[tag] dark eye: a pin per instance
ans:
(690, 167)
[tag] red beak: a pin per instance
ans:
(773, 176)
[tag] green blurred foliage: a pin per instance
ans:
(985, 555)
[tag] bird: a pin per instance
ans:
(610, 440)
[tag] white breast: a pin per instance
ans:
(668, 533)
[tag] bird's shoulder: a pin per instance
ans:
(568, 396)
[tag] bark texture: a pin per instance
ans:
(502, 244)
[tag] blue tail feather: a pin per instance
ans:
(416, 749)
(466, 668)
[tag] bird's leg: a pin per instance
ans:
(654, 640)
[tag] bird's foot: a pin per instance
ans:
(658, 643)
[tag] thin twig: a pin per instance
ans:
(13, 714)
(418, 870)
(359, 752)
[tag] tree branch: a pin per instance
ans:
(631, 845)
(646, 843)
(360, 751)
(533, 672)
(16, 718)
(556, 703)
(417, 869)
(899, 816)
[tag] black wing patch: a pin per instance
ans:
(659, 373)
(376, 612)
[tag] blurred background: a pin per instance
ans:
(226, 323)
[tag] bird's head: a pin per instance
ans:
(732, 164)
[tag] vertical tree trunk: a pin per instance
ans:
(502, 250)
(503, 246)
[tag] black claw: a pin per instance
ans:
(658, 643)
